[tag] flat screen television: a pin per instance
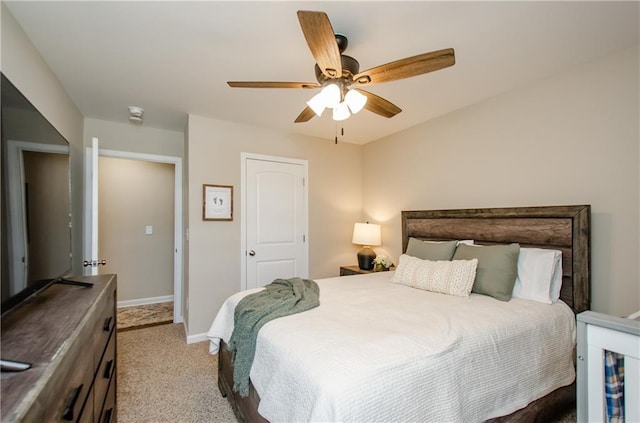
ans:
(36, 200)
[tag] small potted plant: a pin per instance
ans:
(382, 263)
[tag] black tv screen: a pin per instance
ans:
(36, 206)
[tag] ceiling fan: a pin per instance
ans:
(339, 75)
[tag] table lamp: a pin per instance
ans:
(367, 235)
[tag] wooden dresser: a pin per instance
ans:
(68, 334)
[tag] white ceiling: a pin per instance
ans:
(174, 58)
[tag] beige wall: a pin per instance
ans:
(135, 138)
(569, 139)
(132, 195)
(214, 149)
(24, 66)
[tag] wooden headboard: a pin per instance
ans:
(564, 228)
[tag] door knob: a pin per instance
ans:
(252, 253)
(94, 263)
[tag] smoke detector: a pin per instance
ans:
(135, 114)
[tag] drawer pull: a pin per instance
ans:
(107, 369)
(107, 324)
(68, 411)
(107, 416)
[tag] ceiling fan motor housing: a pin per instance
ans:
(350, 67)
(342, 42)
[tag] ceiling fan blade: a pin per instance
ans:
(407, 67)
(305, 115)
(321, 39)
(379, 105)
(257, 84)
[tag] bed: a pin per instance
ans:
(303, 369)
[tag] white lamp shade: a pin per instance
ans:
(341, 112)
(331, 95)
(317, 104)
(355, 101)
(366, 234)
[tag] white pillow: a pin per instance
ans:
(539, 275)
(443, 276)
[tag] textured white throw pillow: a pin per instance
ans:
(539, 275)
(447, 277)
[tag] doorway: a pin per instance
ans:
(137, 254)
(18, 245)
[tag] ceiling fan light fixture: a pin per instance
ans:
(317, 104)
(331, 95)
(341, 112)
(355, 100)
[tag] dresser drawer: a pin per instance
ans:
(75, 389)
(87, 415)
(105, 324)
(108, 414)
(105, 373)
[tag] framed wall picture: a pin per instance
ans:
(217, 202)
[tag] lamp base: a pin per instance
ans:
(365, 258)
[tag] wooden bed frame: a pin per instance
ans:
(565, 228)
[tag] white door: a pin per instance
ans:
(275, 216)
(91, 261)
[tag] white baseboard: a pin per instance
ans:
(145, 301)
(634, 316)
(200, 337)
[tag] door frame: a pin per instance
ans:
(178, 283)
(243, 204)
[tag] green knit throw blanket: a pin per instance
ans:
(280, 298)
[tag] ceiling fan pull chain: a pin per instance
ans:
(341, 133)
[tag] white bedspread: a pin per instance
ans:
(378, 351)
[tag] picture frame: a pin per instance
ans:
(217, 202)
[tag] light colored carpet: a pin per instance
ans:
(162, 379)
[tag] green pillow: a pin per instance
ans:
(431, 250)
(497, 268)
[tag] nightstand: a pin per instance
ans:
(352, 270)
